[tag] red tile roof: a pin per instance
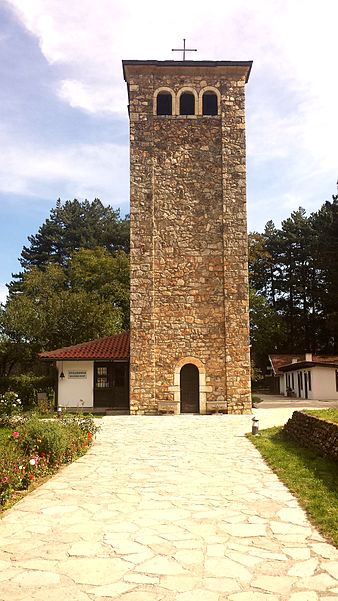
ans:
(279, 361)
(109, 347)
(325, 358)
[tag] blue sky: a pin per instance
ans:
(64, 126)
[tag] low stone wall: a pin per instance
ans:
(313, 432)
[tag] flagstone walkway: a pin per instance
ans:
(166, 508)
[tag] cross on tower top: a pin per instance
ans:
(184, 49)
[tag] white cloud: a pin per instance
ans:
(292, 93)
(102, 98)
(77, 170)
(292, 44)
(3, 293)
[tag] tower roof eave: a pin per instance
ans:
(242, 68)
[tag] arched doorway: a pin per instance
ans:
(189, 388)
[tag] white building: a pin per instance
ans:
(93, 375)
(313, 377)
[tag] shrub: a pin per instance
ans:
(44, 437)
(85, 422)
(256, 399)
(59, 441)
(10, 404)
(14, 421)
(37, 447)
(11, 473)
(45, 405)
(18, 470)
(26, 387)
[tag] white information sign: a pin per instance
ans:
(79, 374)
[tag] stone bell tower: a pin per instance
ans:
(189, 277)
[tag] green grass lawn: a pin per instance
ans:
(330, 415)
(4, 434)
(313, 479)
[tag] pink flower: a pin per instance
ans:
(15, 434)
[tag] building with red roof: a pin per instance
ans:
(93, 375)
(306, 376)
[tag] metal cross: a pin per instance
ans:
(184, 49)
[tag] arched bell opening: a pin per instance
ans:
(209, 104)
(164, 103)
(187, 104)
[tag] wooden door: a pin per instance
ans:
(111, 385)
(102, 385)
(189, 385)
(120, 382)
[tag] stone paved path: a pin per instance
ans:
(166, 508)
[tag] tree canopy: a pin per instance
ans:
(295, 269)
(73, 225)
(58, 307)
(74, 285)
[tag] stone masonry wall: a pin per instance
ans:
(314, 432)
(189, 285)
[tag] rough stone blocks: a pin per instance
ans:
(189, 281)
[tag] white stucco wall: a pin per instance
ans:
(75, 391)
(282, 386)
(323, 383)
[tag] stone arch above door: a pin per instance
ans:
(189, 389)
(203, 388)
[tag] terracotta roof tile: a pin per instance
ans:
(109, 347)
(325, 358)
(279, 361)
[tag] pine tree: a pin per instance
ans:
(74, 225)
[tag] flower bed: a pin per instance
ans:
(35, 448)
